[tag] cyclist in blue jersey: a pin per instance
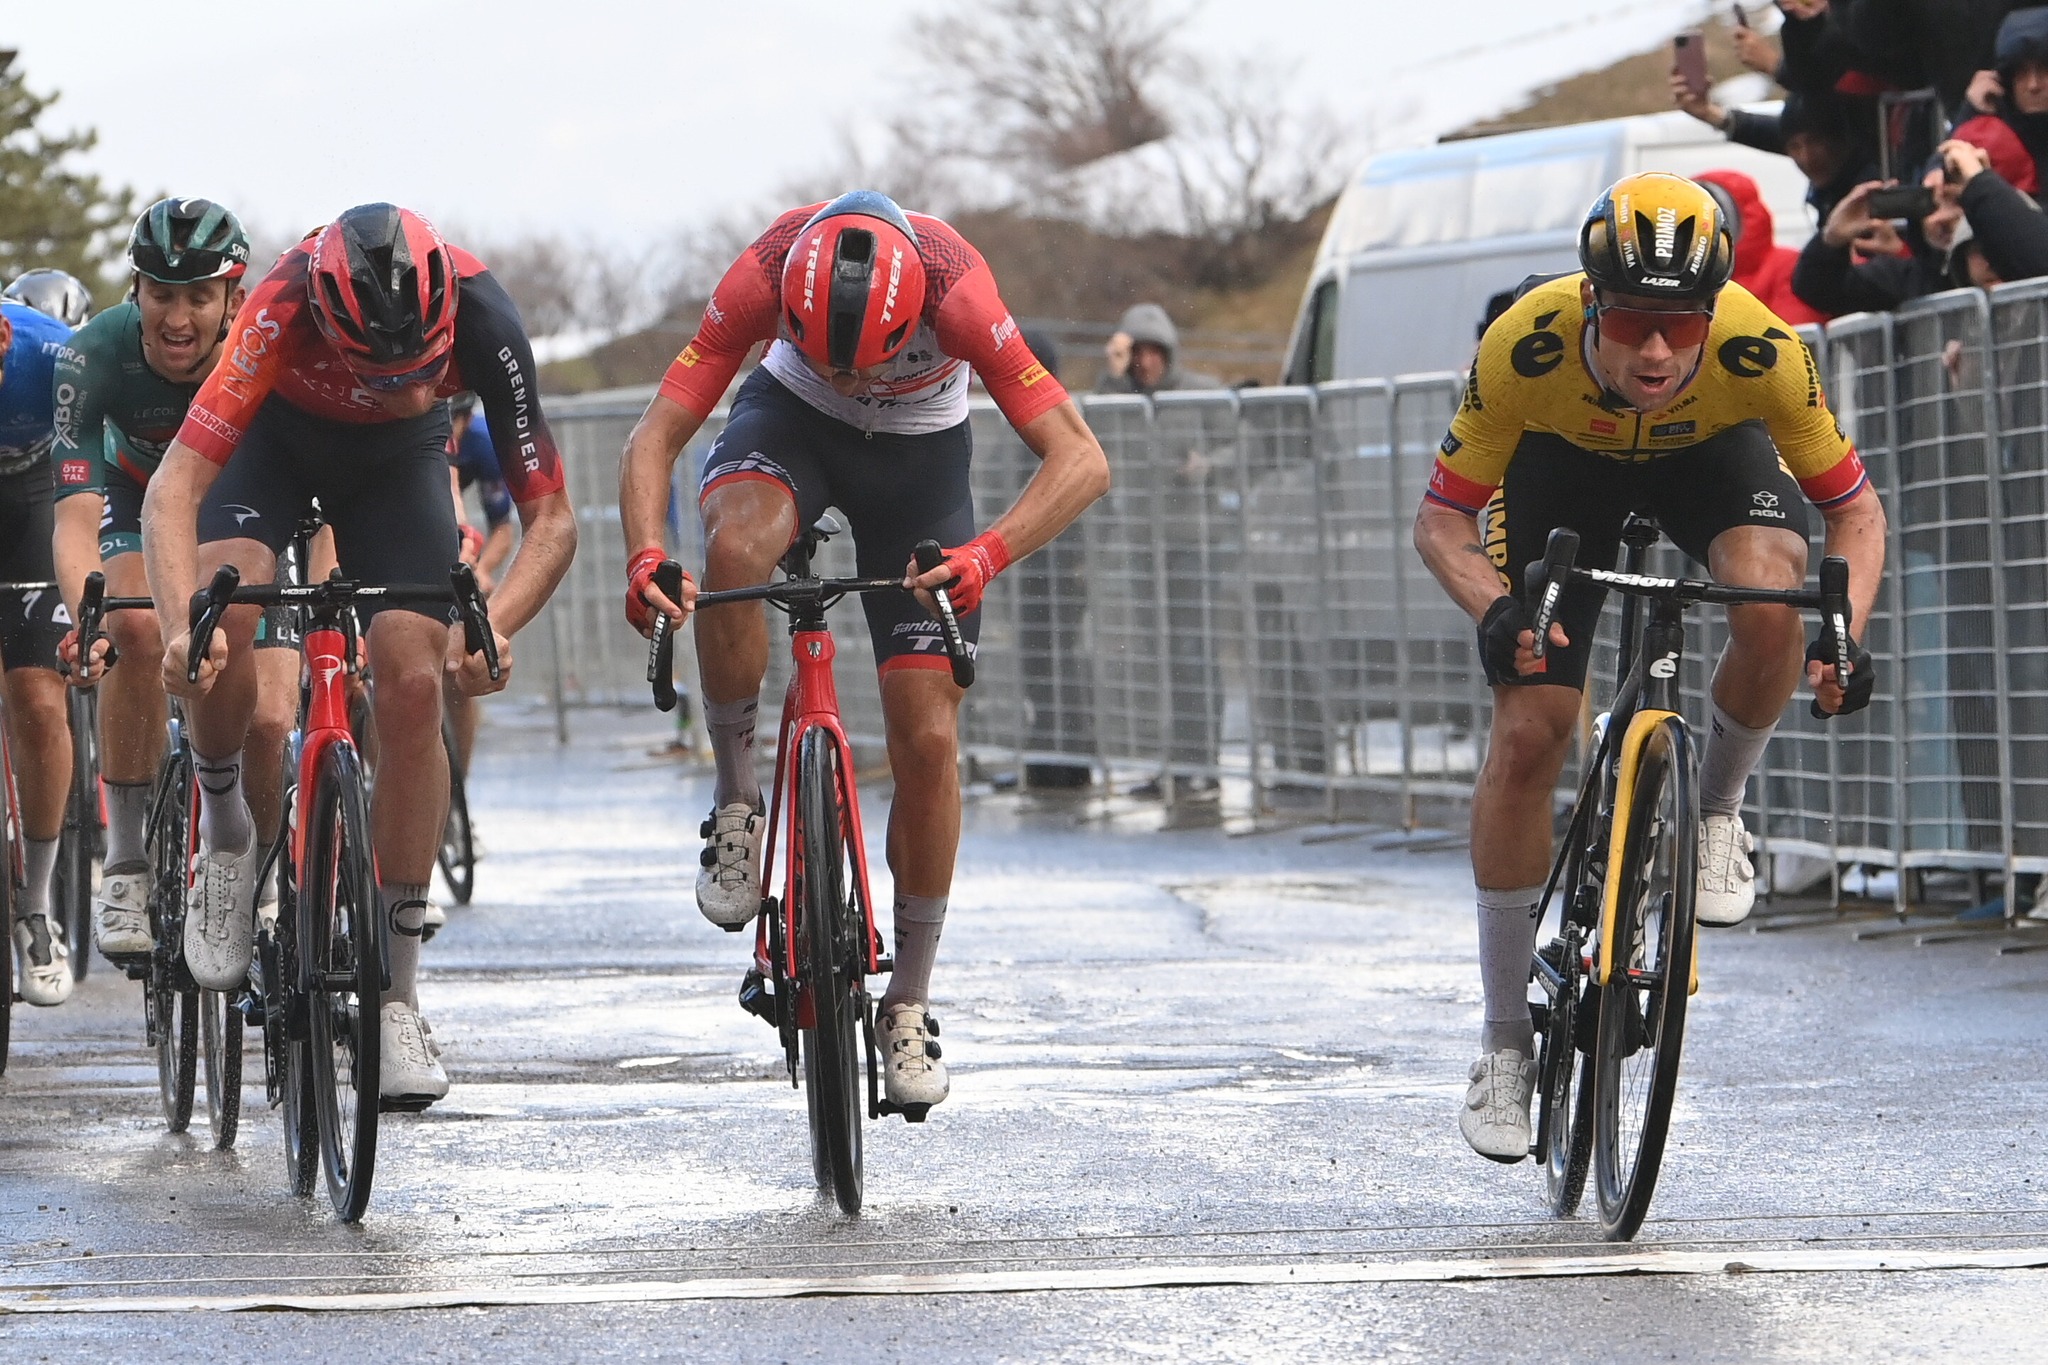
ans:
(32, 625)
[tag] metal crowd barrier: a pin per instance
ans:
(1246, 603)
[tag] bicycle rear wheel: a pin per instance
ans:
(1642, 1006)
(833, 968)
(8, 900)
(80, 842)
(343, 971)
(220, 1031)
(457, 855)
(1566, 1096)
(170, 1000)
(288, 1071)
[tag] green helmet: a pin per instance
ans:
(181, 241)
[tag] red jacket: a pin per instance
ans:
(1762, 266)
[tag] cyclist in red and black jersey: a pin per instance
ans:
(334, 391)
(875, 316)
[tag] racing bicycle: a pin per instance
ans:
(815, 943)
(325, 965)
(1615, 979)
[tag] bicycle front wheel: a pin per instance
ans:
(832, 961)
(170, 1000)
(457, 855)
(1642, 1005)
(1566, 1097)
(82, 836)
(342, 970)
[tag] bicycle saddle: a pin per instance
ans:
(796, 560)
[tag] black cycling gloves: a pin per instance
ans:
(1862, 672)
(1500, 633)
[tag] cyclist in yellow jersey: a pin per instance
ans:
(1648, 383)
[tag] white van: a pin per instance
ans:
(1421, 239)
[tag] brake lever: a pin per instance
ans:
(477, 635)
(929, 557)
(91, 613)
(661, 646)
(208, 606)
(1835, 614)
(1545, 578)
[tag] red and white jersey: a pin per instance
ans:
(964, 323)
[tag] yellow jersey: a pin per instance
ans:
(1532, 374)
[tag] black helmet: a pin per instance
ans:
(183, 241)
(53, 293)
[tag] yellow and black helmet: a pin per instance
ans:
(1657, 236)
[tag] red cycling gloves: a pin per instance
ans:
(975, 565)
(639, 577)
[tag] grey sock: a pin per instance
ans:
(39, 865)
(224, 823)
(916, 924)
(406, 904)
(1507, 940)
(732, 743)
(127, 822)
(1733, 751)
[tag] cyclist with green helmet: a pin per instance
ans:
(122, 386)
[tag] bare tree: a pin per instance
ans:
(1059, 83)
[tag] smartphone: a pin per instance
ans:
(1689, 59)
(1741, 19)
(1902, 201)
(1910, 124)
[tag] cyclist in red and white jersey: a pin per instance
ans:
(875, 317)
(334, 391)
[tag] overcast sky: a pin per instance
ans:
(628, 118)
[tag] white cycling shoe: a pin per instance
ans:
(913, 1076)
(220, 916)
(1495, 1119)
(409, 1074)
(729, 886)
(121, 912)
(1726, 887)
(45, 962)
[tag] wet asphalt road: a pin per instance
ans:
(1189, 1067)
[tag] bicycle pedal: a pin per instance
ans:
(755, 997)
(912, 1113)
(403, 1104)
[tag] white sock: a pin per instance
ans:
(406, 904)
(39, 865)
(1733, 751)
(224, 823)
(917, 922)
(128, 823)
(1507, 942)
(731, 724)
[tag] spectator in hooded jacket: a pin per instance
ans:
(1913, 43)
(2010, 101)
(1144, 356)
(2006, 230)
(1830, 137)
(1761, 266)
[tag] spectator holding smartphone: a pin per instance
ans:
(2010, 101)
(1817, 129)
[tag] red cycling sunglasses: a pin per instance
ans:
(1635, 326)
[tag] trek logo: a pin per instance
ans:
(895, 279)
(811, 273)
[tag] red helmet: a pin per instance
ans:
(383, 289)
(853, 283)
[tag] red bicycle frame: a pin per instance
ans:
(811, 703)
(325, 649)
